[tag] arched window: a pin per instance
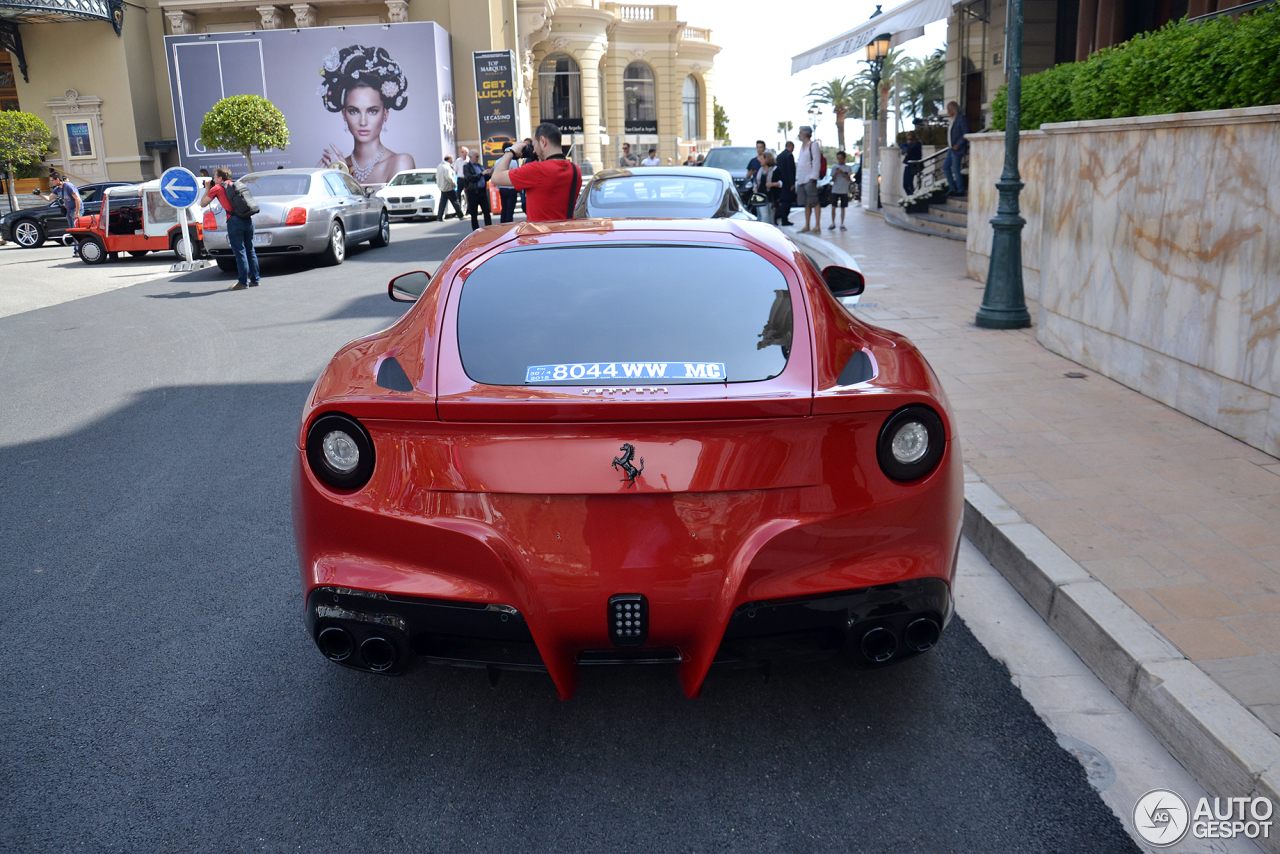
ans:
(560, 92)
(641, 104)
(691, 108)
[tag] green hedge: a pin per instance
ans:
(1220, 64)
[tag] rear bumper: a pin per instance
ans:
(478, 634)
(729, 577)
(285, 239)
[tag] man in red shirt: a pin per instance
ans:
(551, 183)
(239, 231)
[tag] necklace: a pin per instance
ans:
(361, 174)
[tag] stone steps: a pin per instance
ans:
(949, 213)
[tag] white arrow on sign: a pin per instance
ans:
(176, 182)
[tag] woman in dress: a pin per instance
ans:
(364, 84)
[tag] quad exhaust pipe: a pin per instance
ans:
(376, 653)
(881, 643)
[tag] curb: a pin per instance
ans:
(1219, 741)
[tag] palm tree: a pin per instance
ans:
(842, 95)
(922, 85)
(783, 128)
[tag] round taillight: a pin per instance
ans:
(296, 216)
(210, 221)
(340, 451)
(911, 443)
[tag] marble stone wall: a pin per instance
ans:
(986, 162)
(1160, 260)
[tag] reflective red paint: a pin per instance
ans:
(507, 495)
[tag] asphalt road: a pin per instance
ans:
(158, 691)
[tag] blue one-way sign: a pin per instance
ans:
(179, 187)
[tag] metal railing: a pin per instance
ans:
(929, 172)
(1234, 10)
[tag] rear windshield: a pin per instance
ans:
(732, 159)
(279, 185)
(613, 196)
(622, 315)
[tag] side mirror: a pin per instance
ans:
(843, 282)
(408, 287)
(758, 199)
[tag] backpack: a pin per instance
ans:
(242, 202)
(822, 165)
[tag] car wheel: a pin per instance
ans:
(336, 252)
(92, 251)
(28, 234)
(176, 246)
(226, 266)
(383, 237)
(139, 253)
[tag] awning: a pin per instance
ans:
(903, 23)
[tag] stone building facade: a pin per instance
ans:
(620, 71)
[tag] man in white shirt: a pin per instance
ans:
(447, 184)
(808, 165)
(652, 159)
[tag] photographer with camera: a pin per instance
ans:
(551, 183)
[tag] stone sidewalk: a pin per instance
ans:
(1180, 521)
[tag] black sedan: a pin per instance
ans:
(31, 227)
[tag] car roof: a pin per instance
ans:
(311, 170)
(642, 171)
(677, 231)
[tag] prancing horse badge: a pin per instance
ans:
(624, 462)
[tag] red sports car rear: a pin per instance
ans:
(626, 441)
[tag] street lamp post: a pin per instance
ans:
(1004, 305)
(877, 50)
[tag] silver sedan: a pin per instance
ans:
(303, 212)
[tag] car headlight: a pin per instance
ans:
(911, 443)
(340, 451)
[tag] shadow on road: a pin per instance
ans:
(158, 691)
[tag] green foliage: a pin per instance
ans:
(784, 128)
(842, 95)
(1221, 64)
(1046, 97)
(24, 138)
(721, 119)
(922, 83)
(242, 123)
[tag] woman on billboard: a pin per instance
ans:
(364, 84)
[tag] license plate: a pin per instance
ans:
(262, 240)
(402, 207)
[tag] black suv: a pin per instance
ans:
(32, 227)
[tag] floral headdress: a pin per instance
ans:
(358, 65)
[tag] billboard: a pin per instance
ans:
(377, 96)
(495, 102)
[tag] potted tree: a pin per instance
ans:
(242, 123)
(24, 141)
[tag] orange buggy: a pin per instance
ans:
(135, 219)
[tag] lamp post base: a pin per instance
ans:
(999, 318)
(1003, 304)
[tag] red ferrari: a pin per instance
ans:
(626, 441)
